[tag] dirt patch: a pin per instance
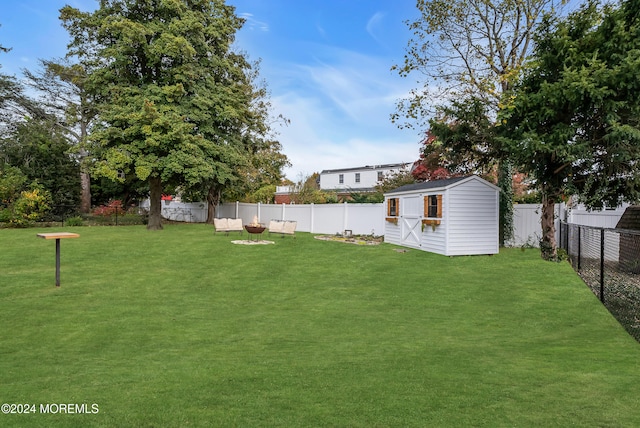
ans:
(356, 239)
(250, 242)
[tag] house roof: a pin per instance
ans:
(436, 184)
(630, 218)
(366, 168)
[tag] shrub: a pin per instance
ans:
(5, 215)
(110, 209)
(30, 207)
(75, 221)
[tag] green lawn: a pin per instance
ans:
(182, 328)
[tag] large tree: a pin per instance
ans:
(41, 152)
(468, 53)
(465, 48)
(60, 86)
(573, 122)
(174, 94)
(255, 174)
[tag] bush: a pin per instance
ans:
(5, 215)
(75, 221)
(113, 207)
(30, 207)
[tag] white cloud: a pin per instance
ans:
(322, 138)
(374, 23)
(253, 24)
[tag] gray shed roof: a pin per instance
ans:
(630, 218)
(433, 184)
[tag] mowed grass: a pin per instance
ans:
(181, 328)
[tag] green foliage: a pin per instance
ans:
(74, 221)
(469, 54)
(463, 50)
(573, 122)
(12, 181)
(307, 191)
(365, 198)
(60, 87)
(505, 183)
(394, 180)
(30, 207)
(177, 102)
(574, 119)
(528, 198)
(41, 153)
(265, 194)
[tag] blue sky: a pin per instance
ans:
(326, 63)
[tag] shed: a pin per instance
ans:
(453, 217)
(628, 226)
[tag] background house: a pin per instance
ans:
(357, 180)
(346, 181)
(455, 216)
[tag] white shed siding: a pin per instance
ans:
(473, 219)
(392, 233)
(434, 239)
(469, 221)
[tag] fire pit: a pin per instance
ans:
(255, 228)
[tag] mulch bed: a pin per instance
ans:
(356, 239)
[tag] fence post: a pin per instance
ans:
(602, 265)
(345, 217)
(579, 246)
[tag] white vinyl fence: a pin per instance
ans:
(360, 219)
(526, 220)
(368, 219)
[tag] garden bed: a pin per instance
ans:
(354, 239)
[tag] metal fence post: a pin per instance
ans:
(602, 265)
(579, 246)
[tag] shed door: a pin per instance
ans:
(412, 208)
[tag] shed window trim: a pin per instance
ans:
(433, 206)
(393, 207)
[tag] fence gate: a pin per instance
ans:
(412, 209)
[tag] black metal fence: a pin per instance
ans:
(67, 215)
(608, 260)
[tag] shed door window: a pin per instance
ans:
(393, 207)
(433, 206)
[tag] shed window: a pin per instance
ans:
(341, 178)
(433, 206)
(357, 177)
(393, 207)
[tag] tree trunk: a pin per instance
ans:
(213, 199)
(85, 198)
(85, 178)
(155, 207)
(548, 249)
